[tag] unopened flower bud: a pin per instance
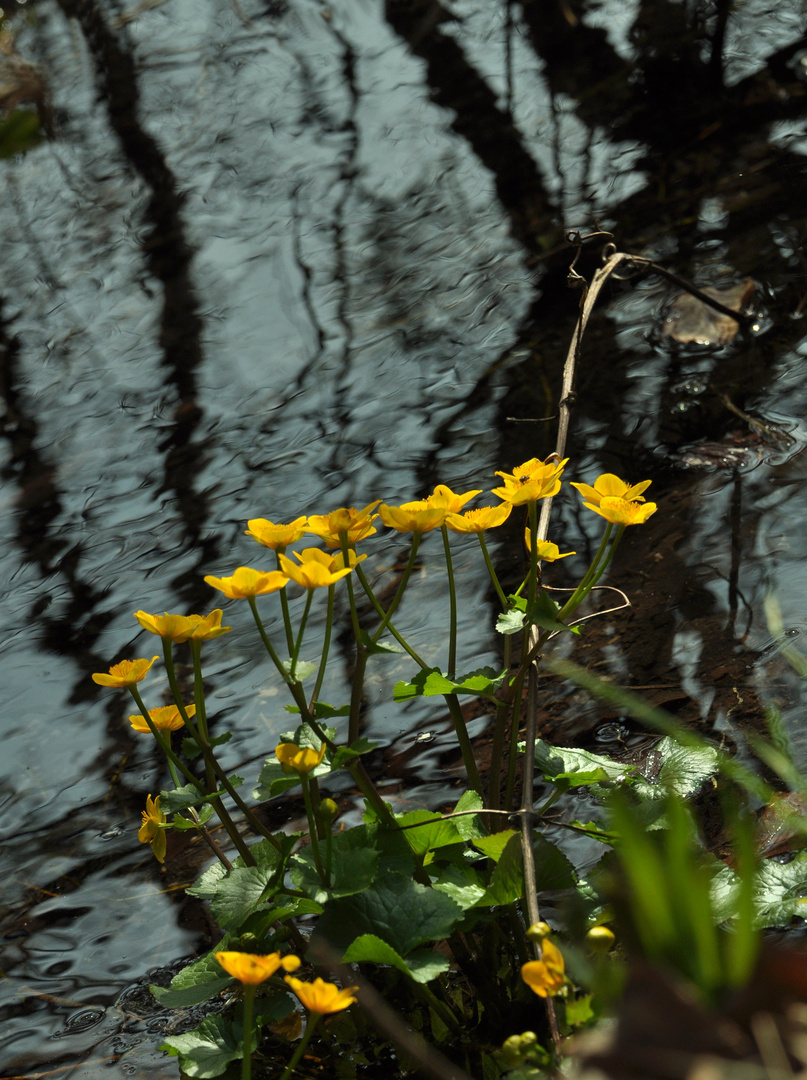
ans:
(539, 931)
(600, 939)
(327, 811)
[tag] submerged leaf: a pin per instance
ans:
(691, 320)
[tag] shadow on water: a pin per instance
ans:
(277, 258)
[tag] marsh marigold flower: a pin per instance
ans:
(299, 759)
(316, 568)
(320, 996)
(416, 516)
(476, 521)
(165, 718)
(354, 524)
(546, 976)
(609, 485)
(448, 500)
(533, 480)
(547, 551)
(622, 512)
(181, 628)
(277, 537)
(246, 582)
(150, 831)
(251, 969)
(126, 673)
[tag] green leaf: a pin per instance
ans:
(354, 863)
(209, 1049)
(493, 846)
(575, 768)
(322, 711)
(507, 879)
(462, 884)
(236, 893)
(378, 646)
(469, 828)
(397, 909)
(182, 824)
(685, 768)
(346, 754)
(432, 831)
(579, 1011)
(191, 749)
(543, 612)
(199, 981)
(422, 966)
(304, 670)
(511, 622)
(432, 682)
(552, 869)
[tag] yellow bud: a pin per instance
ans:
(600, 939)
(539, 931)
(327, 811)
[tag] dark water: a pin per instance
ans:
(279, 258)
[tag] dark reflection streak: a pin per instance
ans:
(305, 291)
(719, 41)
(168, 256)
(735, 522)
(490, 132)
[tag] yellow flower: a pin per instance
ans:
(444, 498)
(352, 559)
(166, 718)
(320, 996)
(476, 521)
(610, 485)
(533, 480)
(126, 673)
(183, 627)
(622, 512)
(547, 551)
(355, 524)
(150, 831)
(545, 977)
(248, 582)
(317, 568)
(252, 969)
(299, 759)
(416, 516)
(276, 536)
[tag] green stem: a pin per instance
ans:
(312, 831)
(313, 1020)
(440, 1007)
(173, 760)
(500, 729)
(410, 566)
(284, 606)
(452, 607)
(216, 771)
(362, 655)
(298, 643)
(284, 674)
(249, 998)
(387, 624)
(200, 717)
(326, 645)
(532, 513)
(466, 749)
(491, 571)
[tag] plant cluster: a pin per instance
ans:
(440, 914)
(389, 890)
